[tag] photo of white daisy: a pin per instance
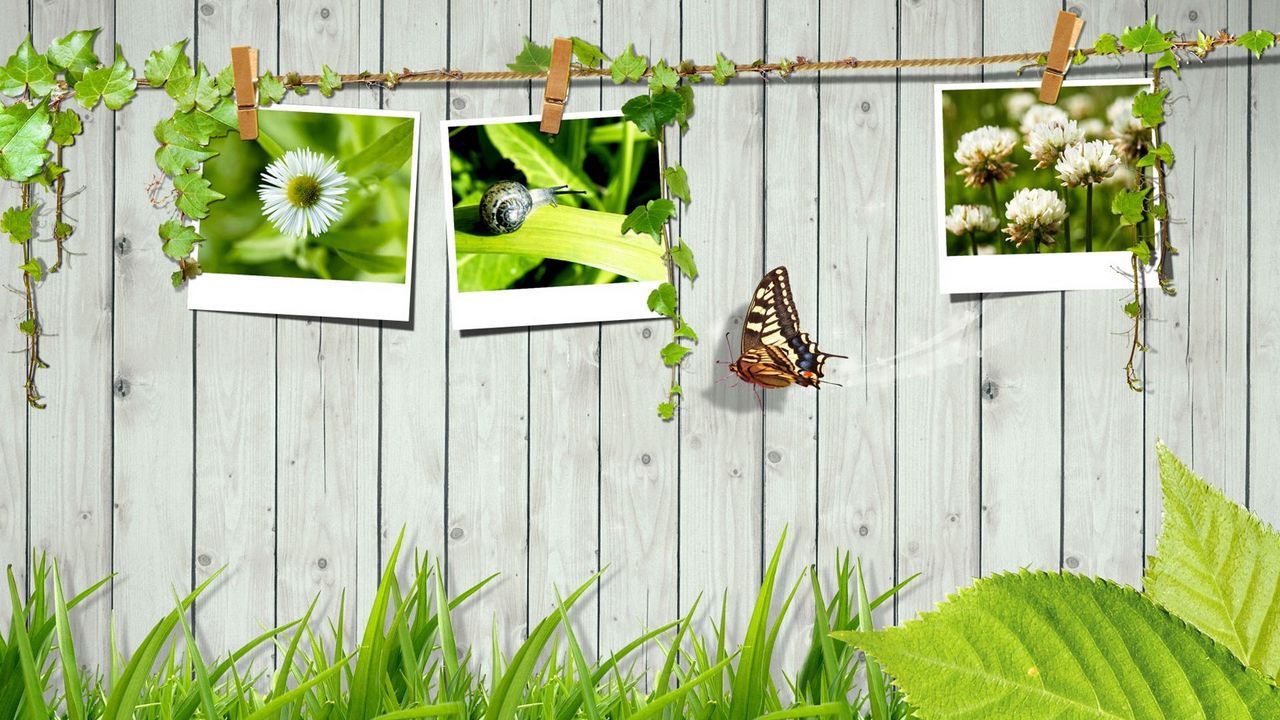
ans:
(318, 216)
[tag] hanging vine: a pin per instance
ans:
(35, 127)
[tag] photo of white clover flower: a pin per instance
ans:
(1021, 176)
(319, 195)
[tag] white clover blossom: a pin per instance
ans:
(1087, 163)
(303, 192)
(1093, 128)
(1040, 113)
(983, 153)
(964, 219)
(1120, 115)
(1035, 215)
(1131, 138)
(1018, 103)
(1047, 140)
(1080, 105)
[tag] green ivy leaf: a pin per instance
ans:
(27, 70)
(677, 182)
(723, 70)
(1150, 107)
(1168, 60)
(16, 223)
(1079, 58)
(663, 300)
(685, 92)
(1256, 41)
(33, 268)
(682, 256)
(653, 111)
(666, 410)
(225, 81)
(588, 54)
(628, 66)
(49, 172)
(1106, 45)
(179, 239)
(1143, 252)
(672, 353)
(1130, 205)
(270, 90)
(329, 81)
(62, 231)
(24, 132)
(66, 126)
(73, 53)
(204, 125)
(114, 85)
(193, 91)
(663, 77)
(650, 218)
(684, 331)
(27, 327)
(534, 58)
(166, 63)
(178, 151)
(1146, 38)
(187, 269)
(1163, 152)
(194, 194)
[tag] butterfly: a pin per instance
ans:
(775, 352)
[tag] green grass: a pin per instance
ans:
(407, 663)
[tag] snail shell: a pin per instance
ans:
(504, 206)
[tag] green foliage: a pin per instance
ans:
(27, 72)
(167, 63)
(192, 91)
(682, 256)
(588, 55)
(73, 53)
(723, 70)
(178, 151)
(1162, 153)
(1170, 61)
(270, 90)
(407, 663)
(1256, 41)
(16, 223)
(533, 58)
(1035, 644)
(179, 239)
(1146, 38)
(1217, 566)
(677, 182)
(114, 85)
(66, 126)
(663, 300)
(385, 155)
(673, 352)
(1149, 107)
(652, 112)
(33, 268)
(650, 218)
(663, 77)
(628, 66)
(194, 195)
(330, 81)
(1130, 205)
(24, 132)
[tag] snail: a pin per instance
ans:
(505, 205)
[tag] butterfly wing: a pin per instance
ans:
(772, 324)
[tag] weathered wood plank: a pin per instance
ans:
(70, 441)
(327, 392)
(1196, 369)
(235, 376)
(1102, 418)
(857, 219)
(1264, 297)
(13, 402)
(937, 364)
(564, 405)
(488, 494)
(639, 455)
(721, 425)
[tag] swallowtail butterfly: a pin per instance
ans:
(775, 353)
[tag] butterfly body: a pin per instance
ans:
(775, 353)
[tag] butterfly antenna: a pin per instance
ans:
(828, 382)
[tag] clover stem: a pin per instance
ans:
(973, 242)
(1066, 225)
(995, 210)
(1088, 218)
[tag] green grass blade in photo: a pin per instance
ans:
(586, 237)
(383, 156)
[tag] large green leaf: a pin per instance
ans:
(24, 133)
(114, 85)
(541, 167)
(587, 237)
(27, 70)
(385, 155)
(1044, 645)
(73, 52)
(1217, 566)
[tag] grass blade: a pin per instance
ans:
(34, 690)
(438, 710)
(71, 682)
(875, 677)
(203, 685)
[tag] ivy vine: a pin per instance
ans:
(37, 124)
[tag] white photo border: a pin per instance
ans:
(566, 305)
(312, 297)
(970, 274)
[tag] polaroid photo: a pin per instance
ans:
(535, 232)
(1025, 189)
(318, 218)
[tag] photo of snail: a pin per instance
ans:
(1030, 192)
(316, 218)
(536, 233)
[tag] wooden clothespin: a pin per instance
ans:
(1066, 31)
(244, 69)
(557, 91)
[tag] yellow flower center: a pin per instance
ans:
(303, 191)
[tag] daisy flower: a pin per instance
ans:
(1041, 113)
(1046, 141)
(1131, 139)
(983, 153)
(1035, 215)
(303, 193)
(1087, 163)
